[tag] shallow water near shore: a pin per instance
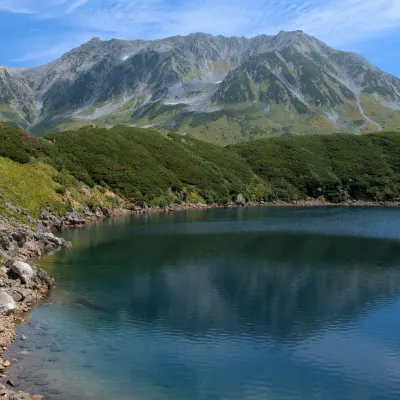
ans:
(247, 303)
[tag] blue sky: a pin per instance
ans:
(34, 32)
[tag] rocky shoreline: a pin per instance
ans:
(23, 285)
(296, 203)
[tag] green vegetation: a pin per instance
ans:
(236, 88)
(16, 144)
(94, 167)
(90, 110)
(28, 181)
(7, 114)
(336, 167)
(29, 185)
(372, 85)
(143, 166)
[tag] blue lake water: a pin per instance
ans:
(249, 303)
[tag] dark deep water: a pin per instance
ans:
(256, 303)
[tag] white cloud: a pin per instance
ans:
(75, 5)
(345, 21)
(14, 6)
(338, 22)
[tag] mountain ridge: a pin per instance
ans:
(221, 89)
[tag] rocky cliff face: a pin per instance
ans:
(17, 98)
(218, 88)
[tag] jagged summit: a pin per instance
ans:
(222, 89)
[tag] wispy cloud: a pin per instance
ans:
(15, 7)
(344, 21)
(338, 22)
(46, 51)
(75, 5)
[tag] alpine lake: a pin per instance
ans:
(259, 303)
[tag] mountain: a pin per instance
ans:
(17, 100)
(220, 89)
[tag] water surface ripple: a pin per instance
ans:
(252, 303)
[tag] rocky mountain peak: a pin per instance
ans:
(216, 87)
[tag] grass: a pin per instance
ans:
(90, 110)
(35, 186)
(387, 118)
(96, 167)
(30, 185)
(351, 114)
(10, 115)
(28, 180)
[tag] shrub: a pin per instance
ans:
(113, 201)
(92, 205)
(61, 190)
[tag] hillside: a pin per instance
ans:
(86, 167)
(220, 89)
(94, 167)
(336, 167)
(146, 167)
(29, 184)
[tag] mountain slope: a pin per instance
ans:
(220, 89)
(145, 167)
(16, 98)
(140, 165)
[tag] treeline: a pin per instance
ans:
(145, 167)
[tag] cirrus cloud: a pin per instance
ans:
(342, 23)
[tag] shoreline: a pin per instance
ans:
(23, 286)
(296, 203)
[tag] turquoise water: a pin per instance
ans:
(252, 303)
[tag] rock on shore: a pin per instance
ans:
(22, 285)
(12, 395)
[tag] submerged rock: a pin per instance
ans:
(54, 239)
(90, 304)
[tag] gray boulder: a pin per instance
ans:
(53, 239)
(67, 245)
(19, 236)
(23, 270)
(17, 296)
(7, 303)
(240, 199)
(42, 277)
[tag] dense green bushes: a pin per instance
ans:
(336, 167)
(146, 167)
(16, 144)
